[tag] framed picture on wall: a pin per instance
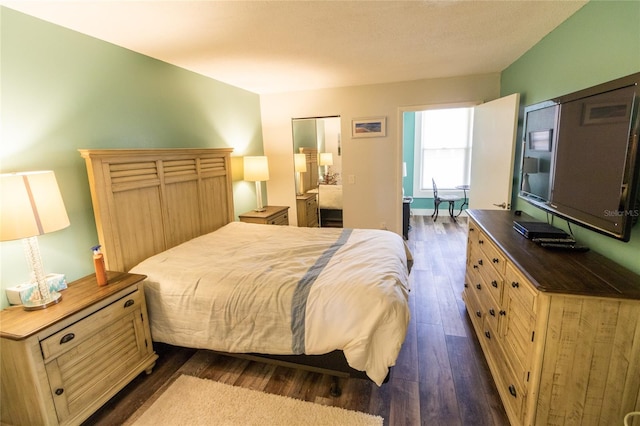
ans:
(373, 127)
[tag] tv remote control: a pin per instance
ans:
(541, 240)
(566, 247)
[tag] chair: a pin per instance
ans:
(437, 199)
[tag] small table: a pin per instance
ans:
(465, 202)
(272, 215)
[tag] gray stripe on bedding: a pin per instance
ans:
(300, 294)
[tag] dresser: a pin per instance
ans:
(272, 215)
(307, 208)
(560, 330)
(60, 364)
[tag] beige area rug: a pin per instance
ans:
(193, 401)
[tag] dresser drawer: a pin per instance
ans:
(75, 334)
(510, 387)
(493, 281)
(520, 288)
(473, 308)
(88, 371)
(491, 254)
(280, 219)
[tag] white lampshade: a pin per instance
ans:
(256, 169)
(300, 162)
(326, 159)
(31, 205)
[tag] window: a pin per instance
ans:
(442, 149)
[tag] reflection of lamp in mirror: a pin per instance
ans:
(326, 160)
(256, 169)
(300, 166)
(529, 166)
(32, 206)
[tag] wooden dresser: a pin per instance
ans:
(60, 364)
(560, 330)
(307, 208)
(272, 215)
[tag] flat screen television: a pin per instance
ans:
(580, 157)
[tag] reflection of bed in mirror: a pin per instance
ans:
(330, 205)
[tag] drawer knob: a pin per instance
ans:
(502, 312)
(494, 283)
(515, 284)
(495, 260)
(67, 338)
(59, 391)
(480, 262)
(466, 285)
(479, 314)
(128, 303)
(475, 266)
(512, 390)
(480, 242)
(479, 286)
(492, 312)
(486, 333)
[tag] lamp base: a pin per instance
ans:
(262, 209)
(34, 305)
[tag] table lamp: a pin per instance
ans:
(256, 169)
(300, 166)
(31, 205)
(326, 160)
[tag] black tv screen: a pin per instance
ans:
(581, 158)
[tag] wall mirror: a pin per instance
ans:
(318, 171)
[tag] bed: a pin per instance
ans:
(332, 300)
(330, 205)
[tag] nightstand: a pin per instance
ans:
(273, 215)
(307, 207)
(60, 364)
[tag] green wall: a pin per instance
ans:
(601, 42)
(62, 91)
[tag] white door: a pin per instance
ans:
(492, 157)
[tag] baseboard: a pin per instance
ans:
(429, 212)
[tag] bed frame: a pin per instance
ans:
(146, 201)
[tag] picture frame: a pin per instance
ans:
(372, 127)
(605, 112)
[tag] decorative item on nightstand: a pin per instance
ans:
(256, 169)
(32, 206)
(300, 166)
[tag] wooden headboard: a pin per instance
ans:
(146, 201)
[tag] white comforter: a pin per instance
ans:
(283, 290)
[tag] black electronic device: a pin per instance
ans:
(581, 157)
(537, 230)
(565, 247)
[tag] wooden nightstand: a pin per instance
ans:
(60, 364)
(307, 207)
(273, 215)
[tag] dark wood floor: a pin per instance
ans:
(440, 378)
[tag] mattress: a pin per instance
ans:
(251, 288)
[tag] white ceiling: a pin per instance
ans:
(278, 46)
